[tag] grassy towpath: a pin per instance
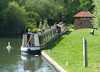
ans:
(69, 48)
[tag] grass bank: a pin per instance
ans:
(69, 48)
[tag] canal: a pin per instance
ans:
(13, 61)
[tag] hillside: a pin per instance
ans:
(69, 48)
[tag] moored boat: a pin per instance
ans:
(35, 42)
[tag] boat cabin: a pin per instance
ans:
(30, 39)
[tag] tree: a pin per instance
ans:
(3, 6)
(48, 9)
(15, 18)
(17, 15)
(71, 8)
(87, 5)
(31, 20)
(96, 12)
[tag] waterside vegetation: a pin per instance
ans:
(17, 16)
(69, 48)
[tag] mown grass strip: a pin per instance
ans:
(69, 48)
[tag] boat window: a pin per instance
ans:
(41, 39)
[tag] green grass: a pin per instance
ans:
(69, 48)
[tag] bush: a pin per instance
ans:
(70, 26)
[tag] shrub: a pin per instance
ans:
(70, 26)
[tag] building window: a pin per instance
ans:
(80, 23)
(85, 18)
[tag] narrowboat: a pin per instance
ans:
(36, 42)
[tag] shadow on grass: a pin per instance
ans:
(68, 32)
(57, 41)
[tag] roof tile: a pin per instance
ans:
(84, 13)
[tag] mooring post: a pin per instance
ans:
(85, 61)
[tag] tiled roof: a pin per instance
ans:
(84, 13)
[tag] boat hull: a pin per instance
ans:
(30, 50)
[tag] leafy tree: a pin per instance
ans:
(21, 2)
(71, 8)
(46, 9)
(19, 15)
(87, 5)
(30, 19)
(96, 12)
(15, 18)
(3, 6)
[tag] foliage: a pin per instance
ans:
(70, 26)
(71, 8)
(31, 18)
(40, 25)
(96, 12)
(45, 25)
(87, 5)
(20, 15)
(69, 48)
(15, 18)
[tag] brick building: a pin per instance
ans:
(83, 20)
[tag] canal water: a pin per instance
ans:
(13, 61)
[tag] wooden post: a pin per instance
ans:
(85, 61)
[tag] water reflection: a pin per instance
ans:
(35, 64)
(31, 63)
(9, 47)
